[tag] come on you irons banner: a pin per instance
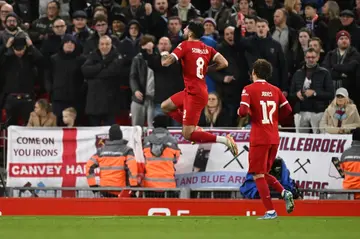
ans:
(307, 156)
(56, 157)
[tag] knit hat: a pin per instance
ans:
(12, 14)
(115, 132)
(69, 38)
(342, 33)
(211, 20)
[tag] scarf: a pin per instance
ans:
(310, 24)
(340, 115)
(241, 18)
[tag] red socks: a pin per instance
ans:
(274, 183)
(264, 193)
(177, 115)
(202, 137)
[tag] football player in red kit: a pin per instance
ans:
(186, 106)
(265, 103)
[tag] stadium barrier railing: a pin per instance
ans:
(182, 193)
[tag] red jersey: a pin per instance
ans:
(195, 57)
(263, 101)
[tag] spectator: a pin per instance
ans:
(311, 89)
(210, 28)
(343, 63)
(18, 59)
(117, 156)
(250, 26)
(118, 26)
(299, 49)
(348, 24)
(113, 9)
(102, 70)
(214, 115)
(283, 34)
(11, 28)
(69, 117)
(316, 43)
(161, 153)
(356, 11)
(220, 13)
(142, 84)
(52, 44)
(231, 81)
(64, 79)
(314, 23)
(341, 116)
(263, 46)
(160, 18)
(266, 9)
(185, 11)
(294, 20)
(350, 164)
(164, 88)
(42, 27)
(174, 31)
(42, 115)
(129, 48)
(63, 7)
(6, 9)
(142, 13)
(101, 29)
(241, 10)
(331, 13)
(79, 28)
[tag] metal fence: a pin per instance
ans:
(181, 193)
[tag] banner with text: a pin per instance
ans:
(307, 156)
(56, 157)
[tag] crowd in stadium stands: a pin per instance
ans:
(92, 62)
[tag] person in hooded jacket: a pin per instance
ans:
(128, 49)
(64, 78)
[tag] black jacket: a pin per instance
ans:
(138, 77)
(268, 49)
(222, 120)
(192, 14)
(321, 83)
(168, 80)
(92, 43)
(64, 79)
(102, 76)
(19, 74)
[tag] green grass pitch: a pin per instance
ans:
(179, 228)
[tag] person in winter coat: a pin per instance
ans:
(102, 70)
(64, 79)
(341, 116)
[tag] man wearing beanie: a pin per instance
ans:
(343, 64)
(350, 164)
(19, 59)
(12, 28)
(118, 167)
(63, 78)
(161, 153)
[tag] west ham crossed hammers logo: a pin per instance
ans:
(245, 148)
(301, 166)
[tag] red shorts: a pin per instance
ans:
(261, 158)
(192, 106)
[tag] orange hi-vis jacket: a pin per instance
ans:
(118, 167)
(350, 164)
(161, 154)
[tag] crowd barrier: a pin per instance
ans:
(56, 157)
